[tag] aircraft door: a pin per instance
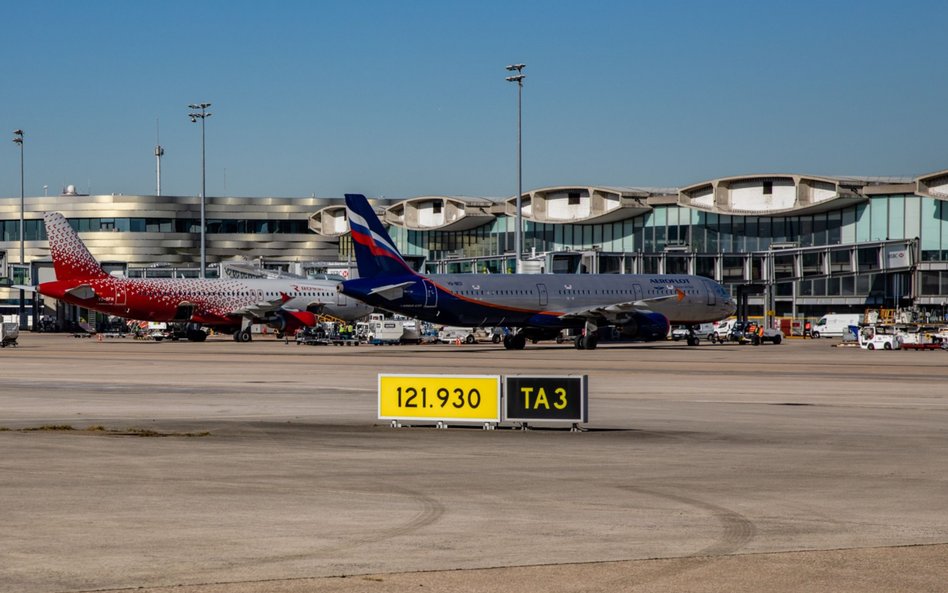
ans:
(431, 294)
(637, 292)
(341, 299)
(541, 291)
(712, 293)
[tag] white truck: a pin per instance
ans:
(834, 325)
(393, 331)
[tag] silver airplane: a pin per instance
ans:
(537, 306)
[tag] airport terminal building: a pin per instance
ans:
(810, 244)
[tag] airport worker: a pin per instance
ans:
(750, 333)
(806, 329)
(760, 334)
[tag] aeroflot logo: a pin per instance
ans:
(670, 281)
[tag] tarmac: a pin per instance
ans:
(243, 468)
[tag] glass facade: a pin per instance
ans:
(883, 218)
(839, 255)
(34, 230)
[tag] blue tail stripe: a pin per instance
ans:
(376, 254)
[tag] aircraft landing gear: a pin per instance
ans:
(590, 339)
(587, 342)
(243, 335)
(516, 341)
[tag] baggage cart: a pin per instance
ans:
(9, 332)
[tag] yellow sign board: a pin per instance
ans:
(469, 398)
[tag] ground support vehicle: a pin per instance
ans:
(722, 329)
(312, 336)
(879, 337)
(469, 335)
(694, 334)
(923, 346)
(744, 332)
(920, 337)
(386, 331)
(9, 332)
(834, 325)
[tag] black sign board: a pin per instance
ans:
(550, 399)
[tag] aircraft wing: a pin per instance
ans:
(259, 309)
(616, 310)
(262, 309)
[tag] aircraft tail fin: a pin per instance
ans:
(376, 254)
(71, 258)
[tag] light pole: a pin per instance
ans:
(18, 139)
(518, 232)
(194, 115)
(159, 152)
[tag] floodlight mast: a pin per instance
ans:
(18, 140)
(202, 115)
(518, 231)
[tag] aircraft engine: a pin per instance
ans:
(647, 327)
(289, 321)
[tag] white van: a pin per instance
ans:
(722, 329)
(834, 325)
(702, 332)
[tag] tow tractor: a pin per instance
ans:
(879, 337)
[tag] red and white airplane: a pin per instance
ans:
(231, 305)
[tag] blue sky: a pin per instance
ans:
(401, 99)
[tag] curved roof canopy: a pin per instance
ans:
(583, 204)
(330, 221)
(443, 213)
(934, 185)
(772, 195)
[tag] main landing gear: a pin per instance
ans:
(243, 335)
(589, 340)
(517, 341)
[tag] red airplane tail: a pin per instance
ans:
(71, 258)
